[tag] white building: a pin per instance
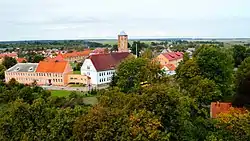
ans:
(101, 67)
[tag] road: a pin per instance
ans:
(82, 89)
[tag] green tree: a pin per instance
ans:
(9, 62)
(2, 70)
(242, 84)
(132, 72)
(239, 54)
(148, 54)
(216, 64)
(37, 58)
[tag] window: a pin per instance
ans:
(99, 74)
(88, 67)
(100, 80)
(88, 73)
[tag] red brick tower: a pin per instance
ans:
(123, 42)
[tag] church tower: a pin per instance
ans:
(123, 42)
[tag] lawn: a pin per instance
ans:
(77, 72)
(60, 93)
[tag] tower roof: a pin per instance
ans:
(122, 33)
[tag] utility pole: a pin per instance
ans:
(136, 50)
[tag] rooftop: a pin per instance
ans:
(23, 67)
(108, 61)
(8, 54)
(52, 66)
(122, 33)
(173, 55)
(216, 108)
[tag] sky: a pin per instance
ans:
(87, 19)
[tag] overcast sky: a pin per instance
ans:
(81, 19)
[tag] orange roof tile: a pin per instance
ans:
(223, 107)
(51, 66)
(59, 57)
(75, 54)
(171, 67)
(20, 60)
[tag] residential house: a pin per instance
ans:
(2, 55)
(170, 58)
(101, 67)
(76, 56)
(169, 69)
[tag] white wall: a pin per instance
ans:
(89, 70)
(105, 77)
(101, 77)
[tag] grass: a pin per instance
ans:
(89, 100)
(60, 93)
(77, 72)
(76, 85)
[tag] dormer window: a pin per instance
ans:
(30, 69)
(17, 69)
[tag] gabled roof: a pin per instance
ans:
(109, 61)
(23, 67)
(75, 53)
(122, 33)
(52, 66)
(8, 54)
(173, 55)
(59, 57)
(171, 67)
(20, 60)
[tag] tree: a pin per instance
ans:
(185, 57)
(2, 70)
(242, 84)
(239, 54)
(9, 62)
(216, 64)
(114, 47)
(147, 53)
(37, 58)
(132, 72)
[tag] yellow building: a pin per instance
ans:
(170, 58)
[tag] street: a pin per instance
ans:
(82, 89)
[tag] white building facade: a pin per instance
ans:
(101, 67)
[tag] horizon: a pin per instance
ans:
(69, 20)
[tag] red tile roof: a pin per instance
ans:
(2, 55)
(223, 107)
(50, 66)
(171, 67)
(173, 55)
(99, 51)
(20, 60)
(59, 57)
(75, 54)
(107, 61)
